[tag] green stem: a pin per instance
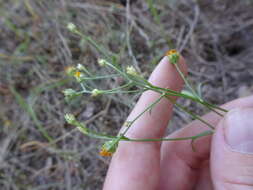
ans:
(117, 69)
(194, 116)
(119, 88)
(174, 93)
(93, 43)
(205, 133)
(82, 128)
(129, 91)
(99, 77)
(114, 90)
(91, 133)
(187, 82)
(138, 116)
(200, 100)
(216, 107)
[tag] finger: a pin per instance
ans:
(178, 156)
(138, 163)
(152, 124)
(232, 151)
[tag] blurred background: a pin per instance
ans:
(38, 150)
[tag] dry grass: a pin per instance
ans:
(38, 150)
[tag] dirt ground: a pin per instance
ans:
(38, 149)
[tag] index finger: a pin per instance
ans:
(139, 162)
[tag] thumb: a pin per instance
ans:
(232, 151)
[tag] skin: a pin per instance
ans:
(173, 165)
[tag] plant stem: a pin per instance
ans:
(174, 93)
(99, 77)
(93, 43)
(205, 133)
(187, 82)
(138, 116)
(194, 116)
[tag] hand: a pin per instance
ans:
(223, 161)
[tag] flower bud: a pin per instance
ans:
(70, 118)
(69, 93)
(109, 147)
(80, 67)
(78, 75)
(131, 71)
(102, 62)
(96, 92)
(173, 56)
(71, 27)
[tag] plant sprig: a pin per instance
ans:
(134, 83)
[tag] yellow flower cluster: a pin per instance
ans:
(104, 152)
(173, 56)
(77, 74)
(171, 52)
(109, 147)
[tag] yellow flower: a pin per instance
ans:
(104, 152)
(173, 56)
(171, 52)
(109, 147)
(77, 74)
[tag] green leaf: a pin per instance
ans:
(188, 93)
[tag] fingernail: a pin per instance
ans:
(239, 129)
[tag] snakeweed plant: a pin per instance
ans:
(134, 82)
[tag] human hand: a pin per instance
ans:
(223, 161)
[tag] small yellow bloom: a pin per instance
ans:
(104, 152)
(77, 74)
(173, 56)
(171, 52)
(109, 147)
